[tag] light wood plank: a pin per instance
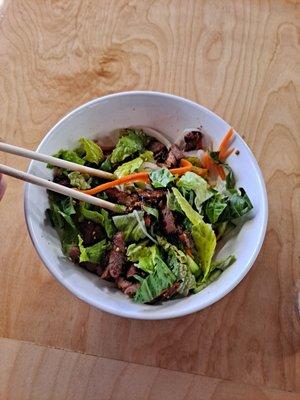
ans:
(240, 59)
(30, 372)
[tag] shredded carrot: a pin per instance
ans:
(210, 165)
(207, 161)
(224, 145)
(137, 177)
(221, 171)
(227, 154)
(199, 171)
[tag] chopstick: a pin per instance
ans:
(55, 187)
(19, 151)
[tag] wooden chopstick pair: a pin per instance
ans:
(55, 187)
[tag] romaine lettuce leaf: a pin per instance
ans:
(224, 263)
(172, 203)
(193, 182)
(61, 212)
(93, 152)
(131, 166)
(80, 181)
(230, 179)
(106, 165)
(99, 217)
(130, 226)
(93, 253)
(160, 178)
(211, 278)
(151, 211)
(214, 207)
(68, 155)
(184, 268)
(143, 256)
(238, 204)
(130, 143)
(152, 286)
(202, 233)
(60, 215)
(217, 267)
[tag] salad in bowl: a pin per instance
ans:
(177, 203)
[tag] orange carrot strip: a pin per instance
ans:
(185, 163)
(186, 166)
(199, 171)
(180, 171)
(225, 143)
(209, 164)
(226, 154)
(137, 177)
(221, 172)
(207, 161)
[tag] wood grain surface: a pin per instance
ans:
(238, 58)
(59, 374)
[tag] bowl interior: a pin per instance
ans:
(170, 115)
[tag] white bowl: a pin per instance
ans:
(170, 115)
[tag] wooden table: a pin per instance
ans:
(240, 59)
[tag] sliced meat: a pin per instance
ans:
(132, 289)
(91, 232)
(122, 283)
(159, 150)
(127, 287)
(168, 220)
(116, 257)
(62, 180)
(74, 254)
(193, 140)
(127, 199)
(132, 270)
(96, 268)
(175, 154)
(148, 220)
(185, 239)
(151, 196)
(170, 292)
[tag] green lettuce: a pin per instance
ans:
(143, 256)
(217, 267)
(214, 207)
(80, 181)
(193, 182)
(106, 165)
(156, 283)
(93, 253)
(131, 142)
(172, 203)
(151, 211)
(99, 217)
(131, 166)
(93, 152)
(238, 204)
(60, 215)
(183, 266)
(202, 233)
(211, 278)
(224, 263)
(130, 226)
(160, 178)
(68, 155)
